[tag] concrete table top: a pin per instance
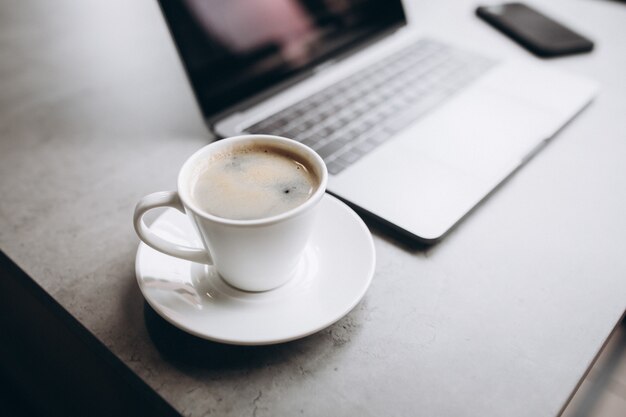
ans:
(503, 317)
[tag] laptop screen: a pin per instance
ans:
(234, 49)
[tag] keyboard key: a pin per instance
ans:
(335, 125)
(350, 157)
(377, 138)
(344, 138)
(365, 146)
(335, 166)
(312, 140)
(330, 148)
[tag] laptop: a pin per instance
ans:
(415, 132)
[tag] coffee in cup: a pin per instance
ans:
(252, 182)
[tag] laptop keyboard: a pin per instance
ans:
(350, 118)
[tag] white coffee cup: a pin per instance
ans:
(252, 255)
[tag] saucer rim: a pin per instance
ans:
(272, 341)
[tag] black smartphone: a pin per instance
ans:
(533, 30)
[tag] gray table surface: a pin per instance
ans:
(501, 318)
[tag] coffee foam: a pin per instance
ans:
(252, 182)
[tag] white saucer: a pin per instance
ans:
(334, 274)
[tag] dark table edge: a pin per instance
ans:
(53, 365)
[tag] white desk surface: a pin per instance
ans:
(502, 318)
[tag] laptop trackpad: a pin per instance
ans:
(436, 171)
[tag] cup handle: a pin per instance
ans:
(165, 199)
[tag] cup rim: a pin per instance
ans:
(293, 145)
